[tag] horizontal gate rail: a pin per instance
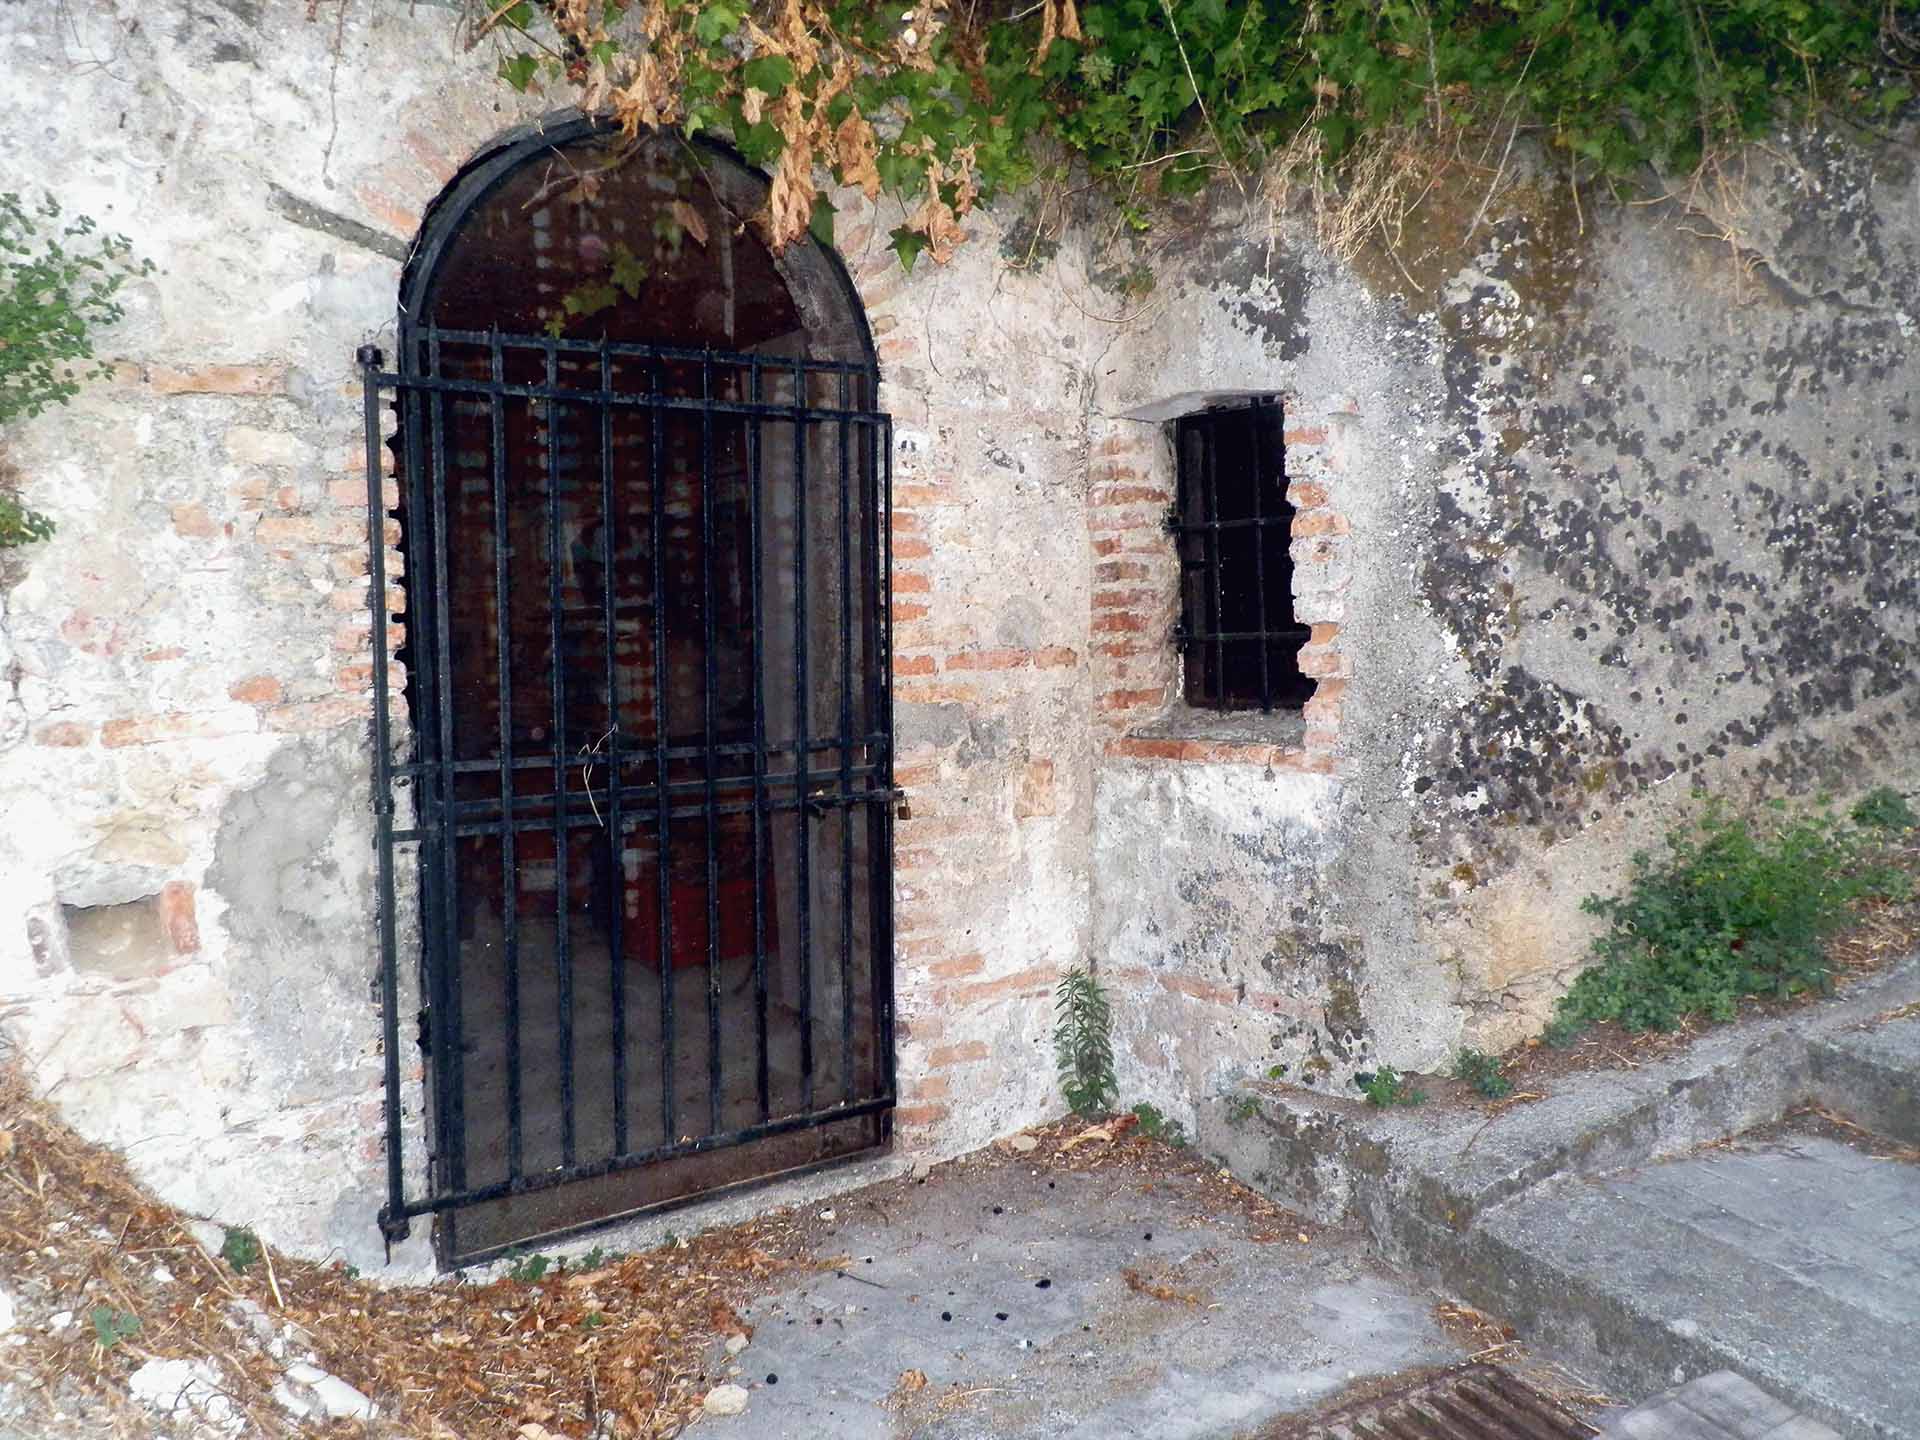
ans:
(612, 1164)
(542, 759)
(505, 441)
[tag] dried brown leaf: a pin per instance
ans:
(690, 220)
(855, 150)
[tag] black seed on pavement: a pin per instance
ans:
(1042, 1284)
(773, 1379)
(818, 1320)
(999, 1314)
(1149, 1234)
(946, 1314)
(997, 1209)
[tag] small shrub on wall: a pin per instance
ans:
(59, 282)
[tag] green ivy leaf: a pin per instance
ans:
(769, 74)
(717, 20)
(629, 271)
(820, 224)
(518, 71)
(584, 300)
(908, 244)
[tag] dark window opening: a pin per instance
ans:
(1238, 639)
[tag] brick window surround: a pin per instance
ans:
(1135, 601)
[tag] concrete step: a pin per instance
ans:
(1532, 1214)
(1796, 1263)
(1720, 1406)
(1872, 1075)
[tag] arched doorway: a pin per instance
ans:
(643, 760)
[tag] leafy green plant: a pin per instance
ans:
(1083, 1043)
(59, 283)
(111, 1326)
(1386, 1087)
(526, 1269)
(1157, 98)
(1885, 808)
(240, 1248)
(1482, 1071)
(1737, 906)
(1242, 1108)
(1156, 1126)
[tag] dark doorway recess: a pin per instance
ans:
(1238, 639)
(639, 773)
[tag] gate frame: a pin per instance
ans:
(441, 226)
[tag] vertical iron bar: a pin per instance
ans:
(393, 1221)
(883, 668)
(562, 897)
(715, 1123)
(417, 536)
(450, 1054)
(877, 814)
(846, 753)
(1183, 534)
(509, 859)
(662, 869)
(802, 751)
(617, 839)
(1257, 416)
(758, 687)
(1211, 451)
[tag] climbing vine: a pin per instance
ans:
(942, 104)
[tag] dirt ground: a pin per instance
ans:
(105, 1292)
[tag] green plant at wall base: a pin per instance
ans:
(528, 1269)
(943, 106)
(1885, 809)
(240, 1248)
(1737, 906)
(111, 1326)
(1482, 1071)
(1156, 1126)
(1386, 1087)
(1083, 1043)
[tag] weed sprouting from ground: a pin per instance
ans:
(1156, 1126)
(1885, 809)
(1739, 905)
(1386, 1087)
(1482, 1071)
(1083, 1043)
(240, 1248)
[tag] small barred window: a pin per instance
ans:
(1238, 639)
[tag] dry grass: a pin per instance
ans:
(627, 1340)
(620, 1350)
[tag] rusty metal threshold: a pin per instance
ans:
(1473, 1402)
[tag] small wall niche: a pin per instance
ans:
(128, 941)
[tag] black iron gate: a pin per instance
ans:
(634, 754)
